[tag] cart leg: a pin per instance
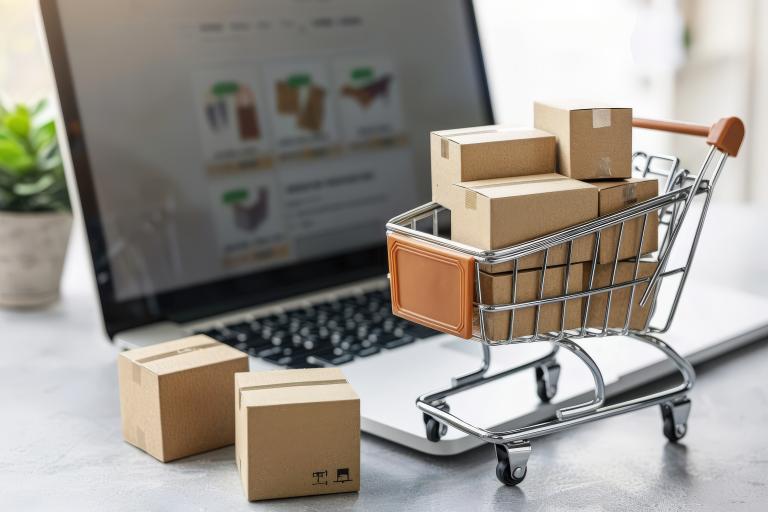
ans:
(547, 377)
(675, 416)
(435, 429)
(512, 465)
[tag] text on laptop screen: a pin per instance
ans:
(234, 137)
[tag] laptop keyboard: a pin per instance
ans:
(324, 334)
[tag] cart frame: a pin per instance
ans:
(417, 233)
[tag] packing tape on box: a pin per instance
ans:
(287, 385)
(604, 167)
(630, 193)
(178, 352)
(470, 199)
(444, 148)
(601, 118)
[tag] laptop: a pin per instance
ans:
(235, 164)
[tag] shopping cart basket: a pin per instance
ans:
(436, 282)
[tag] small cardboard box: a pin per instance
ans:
(617, 195)
(625, 271)
(176, 397)
(592, 142)
(498, 288)
(297, 433)
(485, 152)
(505, 211)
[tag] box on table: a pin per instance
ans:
(625, 271)
(297, 433)
(176, 397)
(498, 288)
(616, 195)
(592, 142)
(485, 152)
(505, 211)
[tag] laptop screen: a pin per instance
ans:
(239, 137)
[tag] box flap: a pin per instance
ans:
(183, 354)
(523, 185)
(580, 104)
(292, 387)
(491, 133)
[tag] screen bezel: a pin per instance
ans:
(208, 299)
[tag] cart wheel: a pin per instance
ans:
(512, 462)
(675, 416)
(508, 477)
(546, 381)
(433, 430)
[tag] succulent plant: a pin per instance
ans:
(31, 169)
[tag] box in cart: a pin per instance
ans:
(503, 288)
(615, 195)
(176, 397)
(485, 152)
(297, 433)
(593, 142)
(620, 298)
(506, 211)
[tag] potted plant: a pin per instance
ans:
(35, 214)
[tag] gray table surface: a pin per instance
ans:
(61, 446)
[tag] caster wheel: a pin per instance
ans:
(433, 430)
(675, 418)
(507, 476)
(674, 434)
(546, 382)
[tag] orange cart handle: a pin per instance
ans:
(726, 134)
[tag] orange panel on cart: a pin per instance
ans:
(431, 285)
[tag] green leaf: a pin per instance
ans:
(34, 188)
(43, 135)
(18, 122)
(14, 156)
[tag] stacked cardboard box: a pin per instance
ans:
(505, 186)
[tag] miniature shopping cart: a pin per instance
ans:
(436, 282)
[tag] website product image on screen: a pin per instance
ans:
(237, 137)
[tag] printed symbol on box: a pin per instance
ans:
(342, 476)
(321, 477)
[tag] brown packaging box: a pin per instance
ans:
(505, 211)
(298, 433)
(592, 142)
(617, 195)
(497, 289)
(311, 116)
(176, 397)
(625, 271)
(485, 152)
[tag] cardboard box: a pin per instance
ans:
(176, 397)
(498, 288)
(593, 142)
(615, 196)
(485, 152)
(620, 298)
(506, 211)
(298, 433)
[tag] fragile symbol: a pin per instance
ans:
(342, 475)
(321, 477)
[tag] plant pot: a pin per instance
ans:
(32, 251)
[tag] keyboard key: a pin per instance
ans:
(420, 331)
(369, 351)
(330, 358)
(400, 342)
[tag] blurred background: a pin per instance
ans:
(694, 60)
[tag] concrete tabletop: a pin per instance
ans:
(61, 446)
